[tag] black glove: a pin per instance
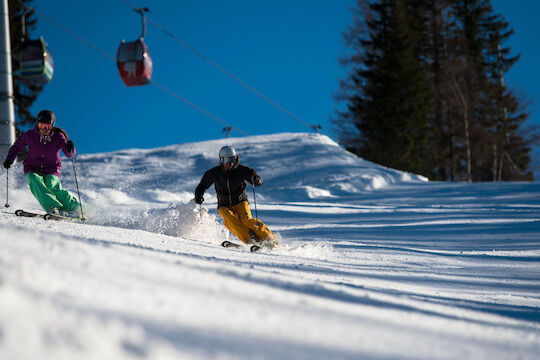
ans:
(257, 181)
(70, 146)
(199, 199)
(7, 164)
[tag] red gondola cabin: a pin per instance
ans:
(134, 63)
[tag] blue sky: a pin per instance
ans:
(287, 50)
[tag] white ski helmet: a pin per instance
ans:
(227, 154)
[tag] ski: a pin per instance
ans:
(228, 244)
(252, 247)
(60, 217)
(263, 245)
(27, 214)
(24, 213)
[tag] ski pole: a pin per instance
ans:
(254, 196)
(7, 188)
(77, 183)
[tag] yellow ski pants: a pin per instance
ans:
(238, 220)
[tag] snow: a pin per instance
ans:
(373, 262)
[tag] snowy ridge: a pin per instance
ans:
(293, 166)
(373, 262)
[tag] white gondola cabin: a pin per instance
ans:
(36, 65)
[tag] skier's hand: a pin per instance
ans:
(257, 181)
(70, 146)
(7, 164)
(199, 199)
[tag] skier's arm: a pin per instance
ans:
(16, 148)
(206, 181)
(254, 178)
(67, 146)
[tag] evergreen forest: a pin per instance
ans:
(425, 91)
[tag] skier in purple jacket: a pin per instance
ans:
(42, 165)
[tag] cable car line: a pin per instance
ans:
(112, 58)
(71, 33)
(199, 54)
(196, 107)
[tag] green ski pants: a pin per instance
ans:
(49, 193)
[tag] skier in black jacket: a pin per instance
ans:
(229, 179)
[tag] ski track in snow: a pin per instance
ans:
(373, 263)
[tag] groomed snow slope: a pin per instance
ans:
(373, 263)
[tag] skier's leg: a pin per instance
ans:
(233, 223)
(41, 192)
(255, 225)
(69, 202)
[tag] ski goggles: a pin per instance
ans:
(45, 126)
(228, 160)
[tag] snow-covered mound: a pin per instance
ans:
(147, 189)
(294, 166)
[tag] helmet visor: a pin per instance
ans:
(228, 160)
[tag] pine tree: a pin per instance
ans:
(391, 109)
(510, 151)
(443, 139)
(491, 114)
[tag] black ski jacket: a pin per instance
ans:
(230, 185)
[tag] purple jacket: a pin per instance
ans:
(43, 151)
